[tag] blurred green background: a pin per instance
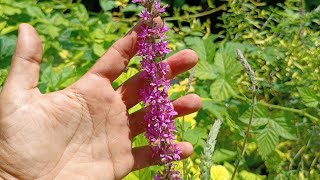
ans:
(280, 39)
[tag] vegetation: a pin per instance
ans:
(281, 43)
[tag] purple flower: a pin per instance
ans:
(159, 119)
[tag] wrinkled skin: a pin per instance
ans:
(83, 131)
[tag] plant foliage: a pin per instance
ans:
(281, 43)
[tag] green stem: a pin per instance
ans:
(297, 111)
(296, 156)
(181, 18)
(244, 144)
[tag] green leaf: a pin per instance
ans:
(107, 5)
(9, 10)
(222, 89)
(222, 155)
(309, 97)
(267, 140)
(277, 122)
(205, 49)
(282, 127)
(244, 175)
(211, 47)
(35, 12)
(233, 125)
(139, 140)
(205, 71)
(195, 136)
(132, 8)
(7, 45)
(66, 76)
(125, 76)
(49, 29)
(3, 76)
(49, 78)
(191, 41)
(98, 49)
(200, 49)
(227, 68)
(226, 64)
(187, 29)
(260, 116)
(218, 111)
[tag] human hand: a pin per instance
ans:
(83, 131)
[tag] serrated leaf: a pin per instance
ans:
(308, 96)
(205, 49)
(282, 128)
(200, 49)
(267, 140)
(226, 64)
(233, 125)
(260, 116)
(218, 111)
(195, 135)
(210, 47)
(222, 89)
(227, 67)
(205, 71)
(277, 122)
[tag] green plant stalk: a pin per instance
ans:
(296, 156)
(297, 111)
(244, 144)
(250, 73)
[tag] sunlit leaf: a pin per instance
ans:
(309, 97)
(3, 76)
(222, 89)
(267, 140)
(107, 5)
(205, 71)
(260, 116)
(126, 75)
(282, 128)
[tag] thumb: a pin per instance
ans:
(24, 69)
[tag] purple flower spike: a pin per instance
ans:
(159, 119)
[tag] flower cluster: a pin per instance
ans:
(159, 120)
